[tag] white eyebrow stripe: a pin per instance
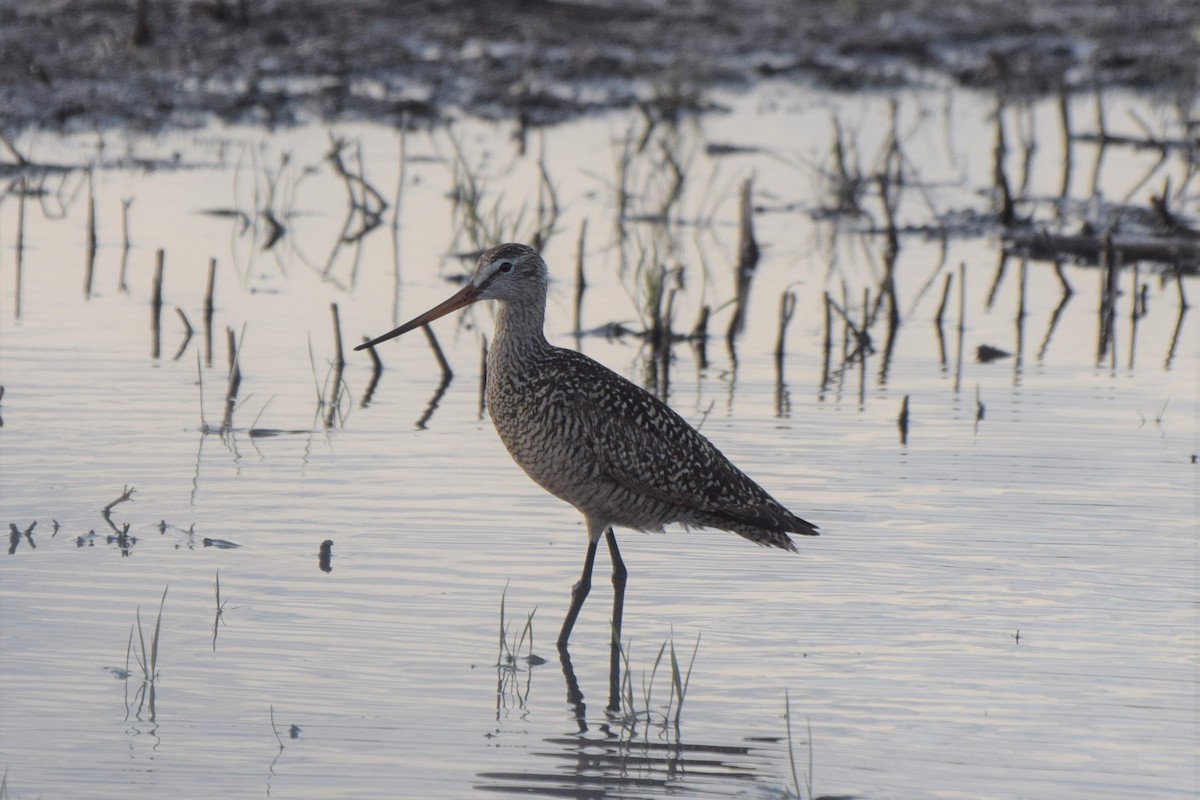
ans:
(485, 274)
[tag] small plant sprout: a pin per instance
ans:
(147, 658)
(509, 691)
(510, 650)
(668, 714)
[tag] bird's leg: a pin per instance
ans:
(578, 594)
(619, 574)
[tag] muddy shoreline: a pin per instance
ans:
(81, 64)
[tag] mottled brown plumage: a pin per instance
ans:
(589, 436)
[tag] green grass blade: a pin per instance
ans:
(141, 657)
(687, 677)
(787, 718)
(154, 638)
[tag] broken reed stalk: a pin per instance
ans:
(902, 421)
(235, 378)
(125, 243)
(208, 310)
(748, 254)
(90, 255)
(208, 292)
(787, 307)
(340, 363)
(1108, 298)
(580, 280)
(156, 301)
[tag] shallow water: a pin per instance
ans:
(1004, 605)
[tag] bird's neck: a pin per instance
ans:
(519, 333)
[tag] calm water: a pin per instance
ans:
(1004, 605)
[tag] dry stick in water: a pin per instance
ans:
(208, 310)
(126, 494)
(156, 302)
(337, 338)
(787, 307)
(122, 286)
(1108, 300)
(339, 366)
(235, 379)
(580, 280)
(747, 258)
(90, 255)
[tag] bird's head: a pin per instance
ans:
(509, 273)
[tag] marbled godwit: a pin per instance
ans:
(590, 437)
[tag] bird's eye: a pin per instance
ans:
(506, 266)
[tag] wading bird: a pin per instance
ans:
(594, 439)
